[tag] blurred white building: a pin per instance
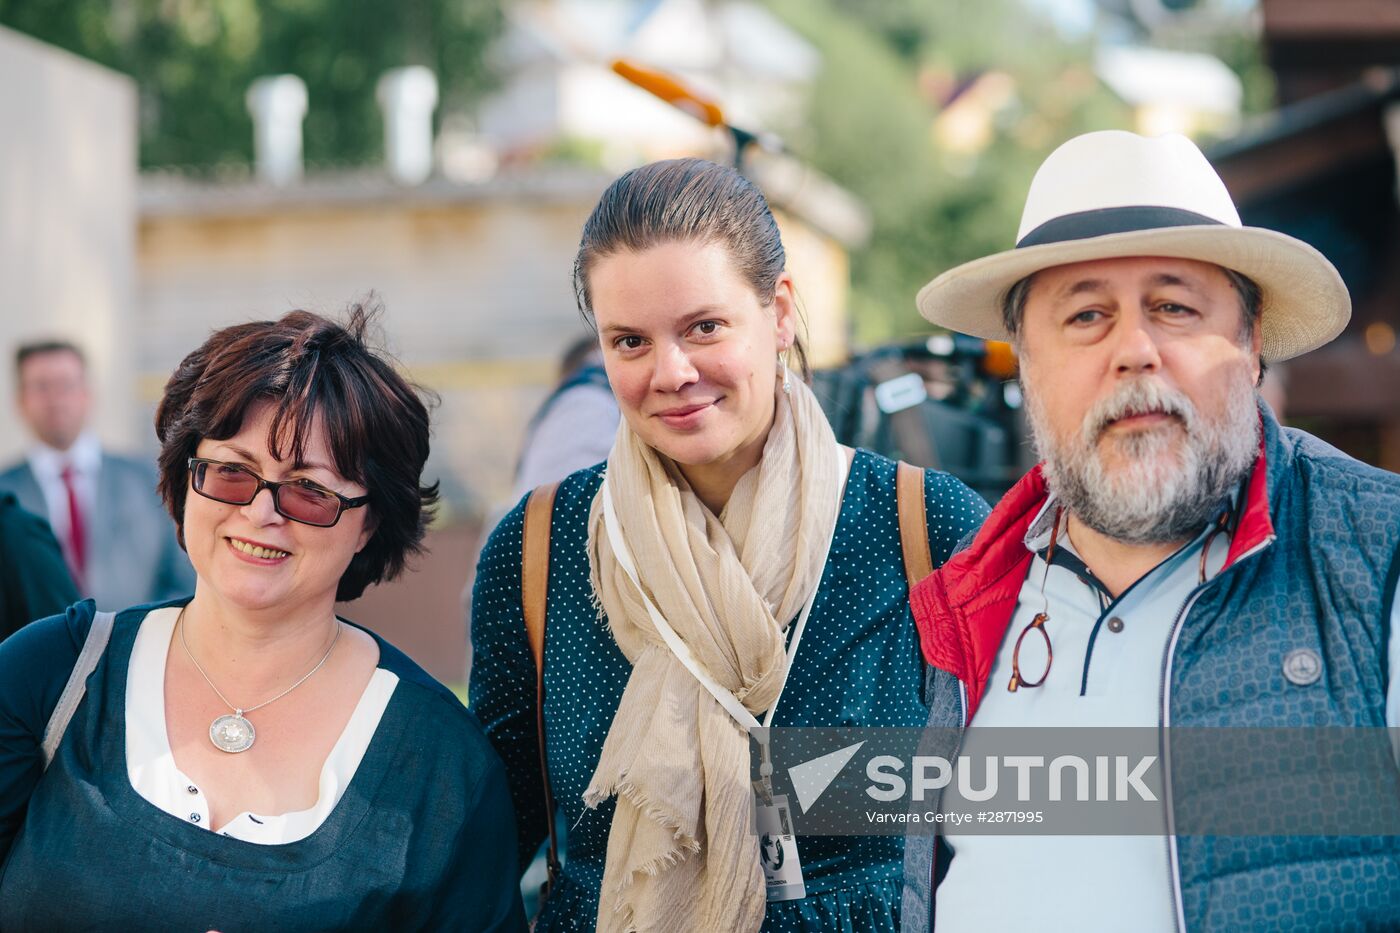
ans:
(68, 223)
(1173, 92)
(558, 86)
(471, 255)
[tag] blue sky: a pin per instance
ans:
(1073, 17)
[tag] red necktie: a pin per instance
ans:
(77, 534)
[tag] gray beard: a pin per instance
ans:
(1171, 479)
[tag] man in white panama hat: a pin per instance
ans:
(1177, 559)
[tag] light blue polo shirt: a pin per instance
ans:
(1106, 671)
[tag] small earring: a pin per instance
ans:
(787, 377)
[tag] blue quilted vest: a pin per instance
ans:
(1325, 584)
(1322, 582)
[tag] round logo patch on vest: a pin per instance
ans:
(1302, 666)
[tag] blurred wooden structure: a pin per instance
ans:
(422, 613)
(1323, 168)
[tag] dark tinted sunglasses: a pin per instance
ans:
(298, 499)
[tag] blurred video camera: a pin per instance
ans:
(950, 402)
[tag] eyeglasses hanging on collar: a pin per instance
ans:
(1038, 623)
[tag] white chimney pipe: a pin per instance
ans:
(408, 97)
(278, 105)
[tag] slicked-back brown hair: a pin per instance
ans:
(305, 365)
(686, 200)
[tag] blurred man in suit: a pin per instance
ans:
(116, 538)
(573, 428)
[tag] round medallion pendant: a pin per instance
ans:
(232, 734)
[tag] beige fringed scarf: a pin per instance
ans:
(681, 854)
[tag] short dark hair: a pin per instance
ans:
(576, 354)
(41, 347)
(307, 365)
(679, 200)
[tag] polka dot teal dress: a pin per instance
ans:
(858, 665)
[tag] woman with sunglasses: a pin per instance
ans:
(244, 759)
(727, 519)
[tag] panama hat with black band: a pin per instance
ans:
(1111, 194)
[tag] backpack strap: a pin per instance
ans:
(913, 522)
(96, 642)
(534, 594)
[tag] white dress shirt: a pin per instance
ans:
(576, 432)
(46, 463)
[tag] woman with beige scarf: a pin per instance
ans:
(725, 513)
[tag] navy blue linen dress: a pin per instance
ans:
(420, 840)
(858, 665)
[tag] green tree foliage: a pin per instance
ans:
(194, 59)
(888, 68)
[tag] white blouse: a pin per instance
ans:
(151, 767)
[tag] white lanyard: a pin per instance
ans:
(729, 701)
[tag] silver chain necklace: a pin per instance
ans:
(235, 733)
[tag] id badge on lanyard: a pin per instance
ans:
(777, 847)
(777, 838)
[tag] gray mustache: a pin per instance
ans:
(1140, 396)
